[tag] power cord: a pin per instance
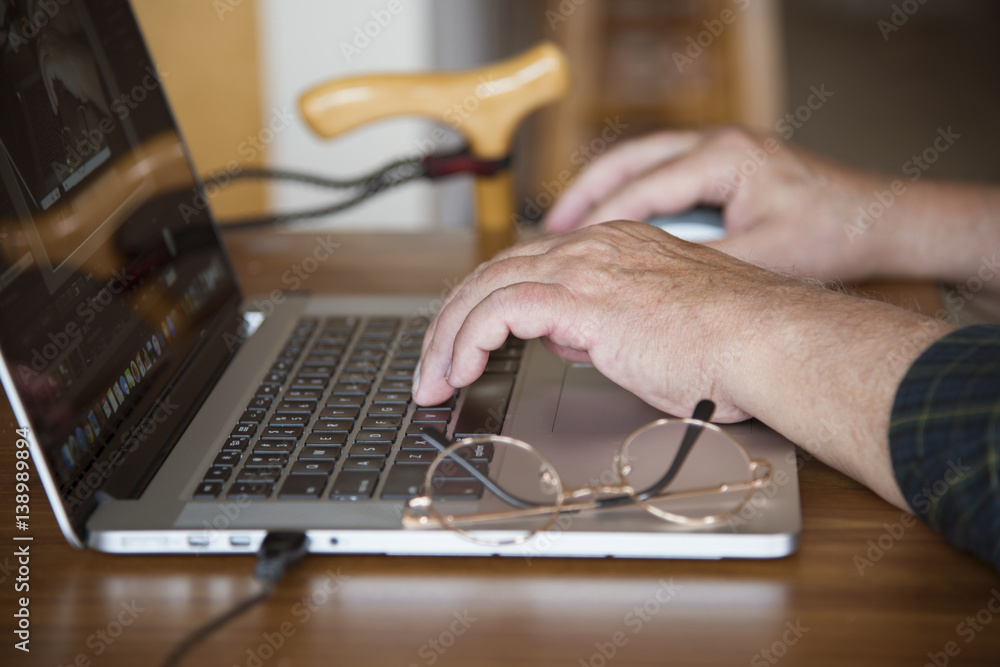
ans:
(392, 175)
(278, 553)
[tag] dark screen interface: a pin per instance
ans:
(104, 285)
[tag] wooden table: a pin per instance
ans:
(862, 589)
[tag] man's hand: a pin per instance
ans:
(791, 210)
(675, 322)
(661, 317)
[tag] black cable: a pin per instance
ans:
(278, 552)
(390, 176)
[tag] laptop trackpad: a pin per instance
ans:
(591, 403)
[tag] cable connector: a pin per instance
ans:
(277, 553)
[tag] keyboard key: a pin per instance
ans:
(317, 371)
(274, 447)
(251, 490)
(387, 411)
(218, 474)
(400, 376)
(252, 416)
(409, 457)
(207, 490)
(347, 376)
(260, 403)
(266, 390)
(302, 395)
(404, 482)
(326, 440)
(333, 414)
(289, 420)
(301, 467)
(226, 459)
(322, 359)
(281, 433)
(383, 423)
(379, 449)
(395, 385)
(296, 407)
(270, 475)
(244, 430)
(275, 378)
(339, 426)
(393, 397)
(266, 461)
(301, 382)
(303, 487)
(236, 444)
(351, 389)
(404, 364)
(344, 402)
(354, 485)
(376, 436)
(412, 442)
(431, 416)
(364, 463)
(320, 454)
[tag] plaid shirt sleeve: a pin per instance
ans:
(943, 438)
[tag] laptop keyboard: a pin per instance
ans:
(334, 419)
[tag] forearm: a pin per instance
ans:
(823, 368)
(941, 231)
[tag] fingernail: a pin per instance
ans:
(416, 378)
(447, 374)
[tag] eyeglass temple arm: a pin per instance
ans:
(439, 440)
(702, 412)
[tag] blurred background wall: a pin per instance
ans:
(898, 71)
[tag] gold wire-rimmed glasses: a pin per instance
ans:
(658, 468)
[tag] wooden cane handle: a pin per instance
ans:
(485, 105)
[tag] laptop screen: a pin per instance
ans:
(110, 272)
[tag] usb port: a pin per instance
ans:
(198, 541)
(240, 541)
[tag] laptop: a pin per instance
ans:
(166, 413)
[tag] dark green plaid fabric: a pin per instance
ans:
(944, 438)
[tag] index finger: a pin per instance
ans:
(609, 173)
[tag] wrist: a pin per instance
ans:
(824, 371)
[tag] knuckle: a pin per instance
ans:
(734, 137)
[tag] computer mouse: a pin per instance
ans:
(699, 225)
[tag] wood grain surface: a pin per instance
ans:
(867, 586)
